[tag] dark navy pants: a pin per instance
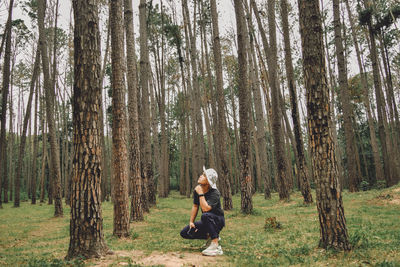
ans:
(210, 224)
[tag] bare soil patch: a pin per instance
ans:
(168, 259)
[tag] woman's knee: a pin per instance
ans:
(184, 233)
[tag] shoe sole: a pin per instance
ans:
(213, 254)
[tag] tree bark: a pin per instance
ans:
(49, 92)
(271, 51)
(198, 153)
(221, 120)
(18, 170)
(5, 86)
(351, 150)
(333, 231)
(119, 122)
(35, 142)
(365, 97)
(381, 108)
(303, 173)
(148, 193)
(134, 142)
(86, 224)
(260, 138)
(244, 113)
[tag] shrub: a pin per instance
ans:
(271, 223)
(381, 184)
(364, 185)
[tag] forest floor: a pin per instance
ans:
(31, 236)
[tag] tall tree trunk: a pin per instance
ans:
(44, 154)
(244, 113)
(351, 150)
(333, 231)
(4, 93)
(365, 97)
(156, 160)
(221, 120)
(134, 142)
(21, 153)
(104, 158)
(303, 173)
(164, 172)
(394, 127)
(35, 142)
(55, 163)
(276, 108)
(119, 122)
(381, 108)
(86, 224)
(198, 156)
(332, 80)
(271, 51)
(214, 113)
(187, 156)
(148, 193)
(9, 167)
(260, 138)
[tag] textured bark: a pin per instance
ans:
(244, 113)
(222, 167)
(8, 164)
(332, 80)
(35, 144)
(261, 141)
(44, 157)
(381, 108)
(134, 142)
(148, 193)
(49, 96)
(303, 173)
(365, 97)
(276, 108)
(187, 156)
(104, 159)
(351, 150)
(152, 185)
(271, 51)
(198, 152)
(263, 80)
(86, 224)
(333, 231)
(259, 136)
(212, 94)
(393, 127)
(119, 122)
(19, 167)
(4, 92)
(164, 180)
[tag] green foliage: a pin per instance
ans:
(381, 184)
(364, 185)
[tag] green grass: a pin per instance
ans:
(30, 236)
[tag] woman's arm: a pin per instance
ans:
(204, 205)
(193, 214)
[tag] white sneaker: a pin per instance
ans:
(208, 243)
(213, 250)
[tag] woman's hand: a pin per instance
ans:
(191, 225)
(199, 189)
